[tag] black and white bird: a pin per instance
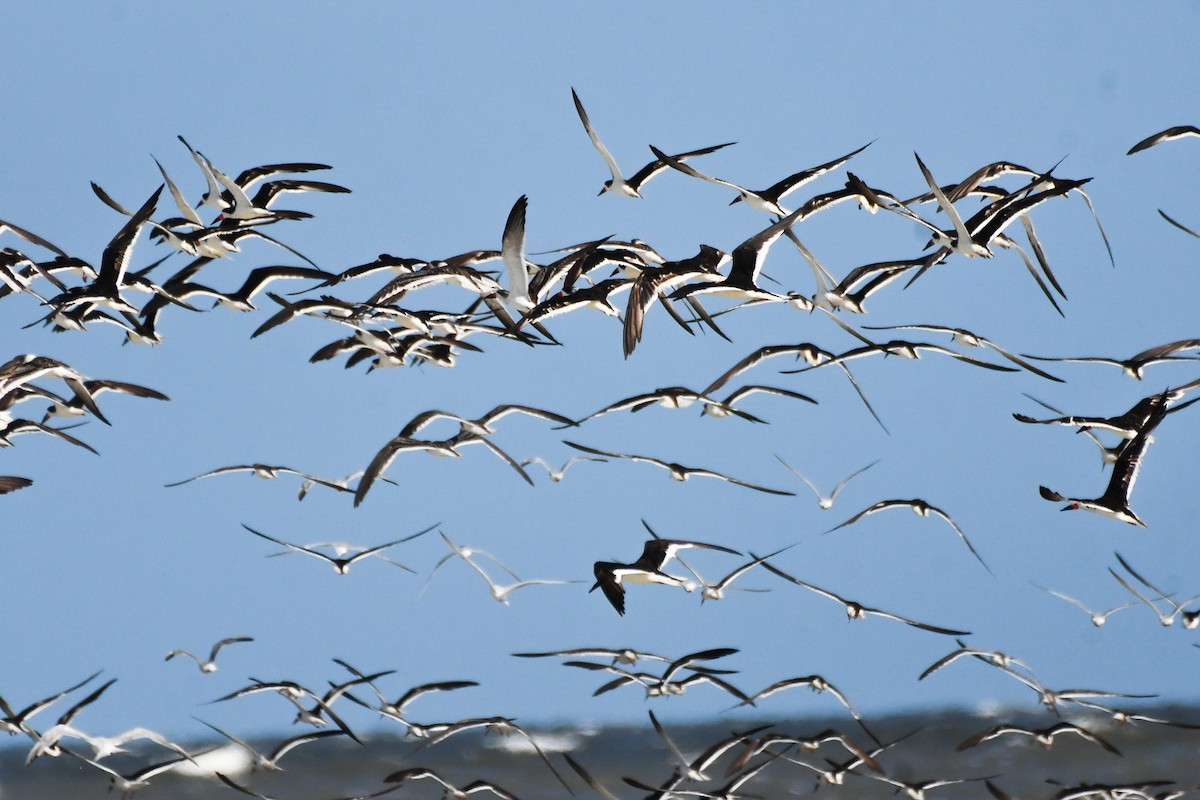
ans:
(647, 568)
(617, 184)
(341, 564)
(1170, 134)
(678, 471)
(855, 610)
(14, 722)
(106, 289)
(922, 509)
(1043, 736)
(449, 790)
(1135, 365)
(270, 761)
(768, 200)
(1114, 502)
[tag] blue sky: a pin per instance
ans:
(438, 119)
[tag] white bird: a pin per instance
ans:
(1098, 618)
(512, 249)
(209, 665)
(825, 502)
(556, 475)
(102, 746)
(501, 592)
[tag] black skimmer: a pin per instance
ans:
(229, 197)
(745, 267)
(1177, 132)
(449, 790)
(504, 726)
(855, 610)
(617, 184)
(1122, 717)
(270, 761)
(110, 279)
(20, 370)
(48, 743)
(648, 568)
(18, 721)
(1135, 364)
(1115, 500)
(11, 483)
(993, 657)
(916, 790)
(31, 237)
(1178, 224)
(684, 769)
(900, 349)
(825, 501)
(760, 744)
(653, 282)
(961, 241)
(512, 250)
(444, 447)
(294, 693)
(129, 784)
(242, 299)
(664, 685)
(969, 339)
(597, 297)
(624, 655)
(587, 777)
(768, 199)
(1126, 426)
(919, 507)
(727, 407)
(208, 665)
(820, 685)
(1043, 736)
(851, 293)
(727, 792)
(15, 427)
(394, 709)
(834, 773)
(675, 397)
(341, 565)
(1053, 698)
(811, 353)
(434, 275)
(678, 472)
(483, 425)
(265, 472)
(74, 407)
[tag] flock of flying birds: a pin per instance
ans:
(517, 301)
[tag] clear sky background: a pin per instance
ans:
(438, 118)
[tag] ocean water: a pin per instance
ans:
(1162, 757)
